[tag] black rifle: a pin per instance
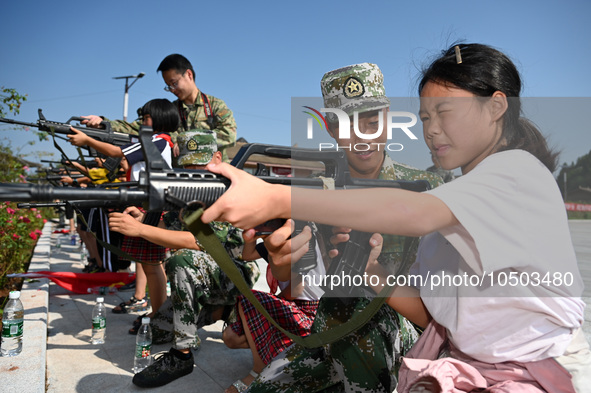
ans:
(56, 177)
(89, 164)
(85, 204)
(111, 164)
(104, 135)
(162, 188)
(70, 206)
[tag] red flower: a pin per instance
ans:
(10, 210)
(15, 236)
(26, 220)
(33, 235)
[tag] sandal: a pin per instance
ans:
(241, 386)
(136, 324)
(90, 265)
(133, 304)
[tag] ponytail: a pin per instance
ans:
(526, 136)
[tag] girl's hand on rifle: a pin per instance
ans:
(249, 201)
(373, 266)
(339, 235)
(67, 180)
(78, 138)
(125, 224)
(135, 213)
(284, 248)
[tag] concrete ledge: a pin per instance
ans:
(26, 372)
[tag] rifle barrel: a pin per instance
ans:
(47, 193)
(20, 123)
(75, 204)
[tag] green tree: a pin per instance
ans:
(578, 180)
(11, 101)
(19, 228)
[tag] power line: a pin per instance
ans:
(73, 96)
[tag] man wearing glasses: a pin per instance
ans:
(196, 109)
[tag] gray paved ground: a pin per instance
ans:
(73, 364)
(58, 332)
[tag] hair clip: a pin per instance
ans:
(458, 54)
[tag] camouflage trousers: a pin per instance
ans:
(198, 289)
(366, 360)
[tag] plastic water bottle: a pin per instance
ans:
(73, 240)
(12, 325)
(102, 290)
(99, 322)
(143, 346)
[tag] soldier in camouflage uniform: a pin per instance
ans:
(368, 359)
(179, 77)
(201, 293)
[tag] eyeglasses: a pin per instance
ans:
(174, 86)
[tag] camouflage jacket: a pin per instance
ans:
(195, 119)
(445, 174)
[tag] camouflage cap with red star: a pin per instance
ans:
(355, 88)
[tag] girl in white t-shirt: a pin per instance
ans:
(496, 271)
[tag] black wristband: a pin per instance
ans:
(75, 183)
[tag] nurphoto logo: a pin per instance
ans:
(393, 123)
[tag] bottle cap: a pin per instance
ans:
(14, 294)
(145, 320)
(100, 299)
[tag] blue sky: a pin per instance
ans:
(258, 55)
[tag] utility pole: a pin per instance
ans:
(127, 87)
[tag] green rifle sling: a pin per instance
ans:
(211, 243)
